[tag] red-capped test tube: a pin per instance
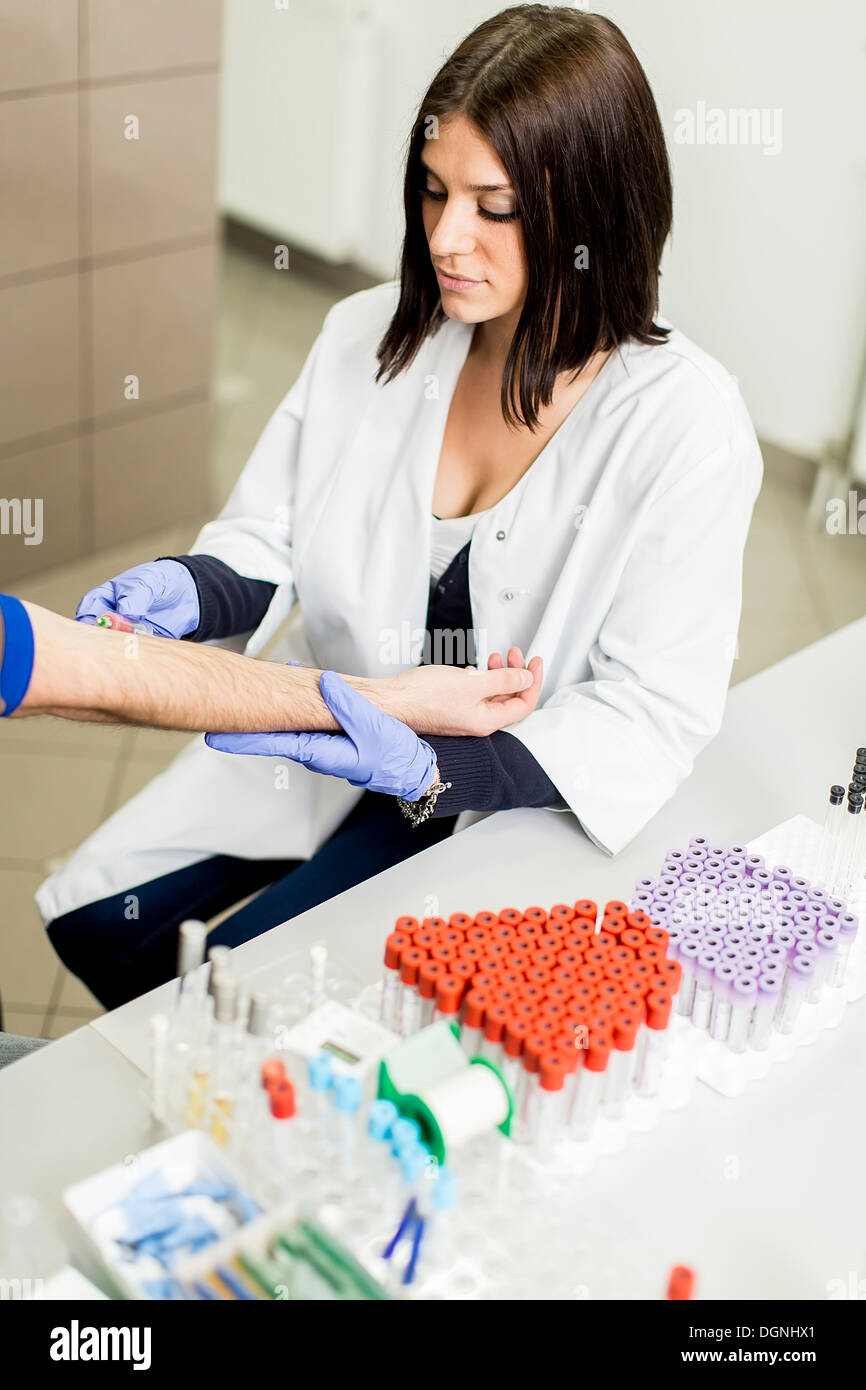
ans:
(590, 1082)
(397, 942)
(658, 1013)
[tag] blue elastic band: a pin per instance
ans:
(17, 665)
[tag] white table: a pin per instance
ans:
(789, 1221)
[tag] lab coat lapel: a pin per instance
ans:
(365, 579)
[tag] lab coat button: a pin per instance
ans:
(507, 595)
(500, 535)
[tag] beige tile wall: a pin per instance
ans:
(107, 268)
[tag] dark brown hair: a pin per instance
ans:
(565, 104)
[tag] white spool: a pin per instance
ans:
(467, 1104)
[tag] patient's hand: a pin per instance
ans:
(454, 700)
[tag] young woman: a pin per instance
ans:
(509, 440)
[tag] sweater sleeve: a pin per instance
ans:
(490, 774)
(229, 603)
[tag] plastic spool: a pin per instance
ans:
(465, 1106)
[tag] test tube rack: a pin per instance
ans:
(797, 844)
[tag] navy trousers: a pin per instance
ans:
(124, 945)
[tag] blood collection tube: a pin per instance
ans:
(391, 985)
(516, 1031)
(411, 961)
(320, 1078)
(495, 1019)
(680, 1284)
(618, 1077)
(428, 974)
(590, 1082)
(744, 997)
(547, 1110)
(720, 1011)
(449, 993)
(767, 998)
(472, 1027)
(347, 1103)
(704, 980)
(654, 1050)
(847, 923)
(535, 1045)
(851, 861)
(281, 1099)
(798, 983)
(461, 921)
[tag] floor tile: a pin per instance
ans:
(30, 1022)
(29, 966)
(50, 803)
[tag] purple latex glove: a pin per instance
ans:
(376, 752)
(161, 593)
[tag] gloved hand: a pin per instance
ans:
(161, 593)
(376, 752)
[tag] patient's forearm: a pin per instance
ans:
(94, 674)
(88, 673)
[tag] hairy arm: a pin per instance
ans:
(87, 673)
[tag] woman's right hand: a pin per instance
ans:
(460, 700)
(161, 593)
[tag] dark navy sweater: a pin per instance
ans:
(487, 774)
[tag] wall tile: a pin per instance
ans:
(123, 38)
(39, 356)
(39, 179)
(154, 468)
(40, 43)
(152, 318)
(50, 475)
(162, 186)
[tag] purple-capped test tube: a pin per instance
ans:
(769, 993)
(781, 873)
(826, 946)
(744, 998)
(848, 923)
(798, 983)
(689, 952)
(774, 953)
(705, 965)
(720, 1010)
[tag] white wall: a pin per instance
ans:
(766, 268)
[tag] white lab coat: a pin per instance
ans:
(618, 559)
